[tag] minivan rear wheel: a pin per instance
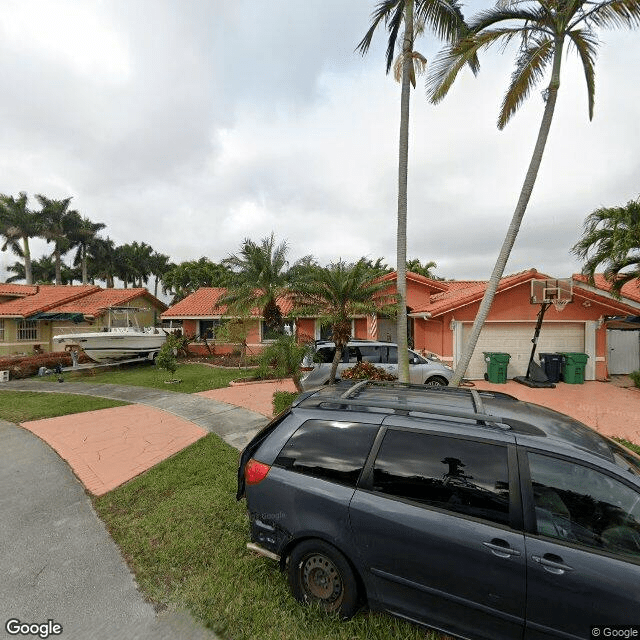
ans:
(319, 573)
(437, 381)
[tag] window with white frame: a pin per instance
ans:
(207, 328)
(269, 333)
(28, 330)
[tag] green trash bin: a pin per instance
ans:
(573, 365)
(496, 366)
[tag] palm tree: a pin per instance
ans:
(159, 265)
(445, 19)
(83, 233)
(611, 238)
(415, 266)
(543, 27)
(337, 293)
(44, 271)
(102, 260)
(18, 224)
(259, 278)
(58, 223)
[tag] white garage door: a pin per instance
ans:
(515, 339)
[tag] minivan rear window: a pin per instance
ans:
(330, 450)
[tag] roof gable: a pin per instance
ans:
(90, 300)
(45, 298)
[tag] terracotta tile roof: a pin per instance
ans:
(90, 300)
(434, 285)
(97, 302)
(630, 290)
(204, 304)
(460, 293)
(17, 290)
(45, 298)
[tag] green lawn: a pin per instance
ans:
(194, 377)
(184, 535)
(20, 406)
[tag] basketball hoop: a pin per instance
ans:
(560, 304)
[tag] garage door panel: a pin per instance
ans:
(516, 340)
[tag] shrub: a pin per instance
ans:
(284, 358)
(366, 371)
(635, 376)
(166, 358)
(26, 366)
(282, 400)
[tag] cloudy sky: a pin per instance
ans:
(192, 124)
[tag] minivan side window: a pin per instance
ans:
(372, 354)
(329, 450)
(463, 476)
(583, 506)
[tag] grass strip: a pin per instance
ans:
(21, 406)
(193, 377)
(184, 536)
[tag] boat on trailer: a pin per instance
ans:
(122, 339)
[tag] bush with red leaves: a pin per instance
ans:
(366, 371)
(26, 366)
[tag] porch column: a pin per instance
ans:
(372, 327)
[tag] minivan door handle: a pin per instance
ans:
(552, 563)
(501, 548)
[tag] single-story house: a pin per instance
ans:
(441, 313)
(31, 314)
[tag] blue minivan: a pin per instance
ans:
(470, 512)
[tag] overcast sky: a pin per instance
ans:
(192, 124)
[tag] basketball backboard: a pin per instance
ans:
(556, 291)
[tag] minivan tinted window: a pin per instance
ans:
(580, 505)
(463, 476)
(330, 450)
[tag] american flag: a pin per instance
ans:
(372, 327)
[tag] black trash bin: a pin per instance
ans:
(552, 365)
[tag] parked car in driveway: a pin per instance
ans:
(470, 512)
(422, 370)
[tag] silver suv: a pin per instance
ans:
(429, 371)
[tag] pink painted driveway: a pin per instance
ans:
(611, 410)
(109, 447)
(256, 396)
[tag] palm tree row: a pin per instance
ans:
(95, 258)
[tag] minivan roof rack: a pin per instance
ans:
(478, 413)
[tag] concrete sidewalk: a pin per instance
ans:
(59, 562)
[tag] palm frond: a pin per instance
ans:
(444, 17)
(611, 15)
(586, 44)
(451, 60)
(390, 13)
(530, 68)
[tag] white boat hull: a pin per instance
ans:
(115, 344)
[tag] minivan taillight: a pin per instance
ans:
(255, 472)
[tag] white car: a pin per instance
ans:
(429, 371)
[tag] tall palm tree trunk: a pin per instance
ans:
(28, 270)
(403, 164)
(58, 260)
(516, 220)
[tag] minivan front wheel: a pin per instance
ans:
(319, 573)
